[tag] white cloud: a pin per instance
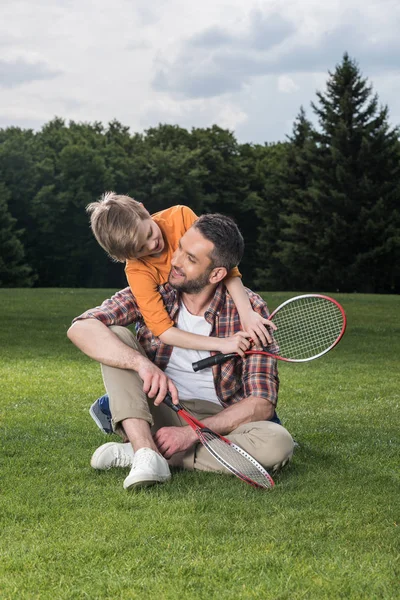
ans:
(286, 84)
(194, 113)
(231, 116)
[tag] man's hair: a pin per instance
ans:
(228, 242)
(114, 221)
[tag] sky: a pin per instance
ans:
(244, 65)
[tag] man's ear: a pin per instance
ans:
(217, 275)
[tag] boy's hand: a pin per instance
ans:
(239, 343)
(256, 326)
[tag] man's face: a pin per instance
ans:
(149, 239)
(191, 263)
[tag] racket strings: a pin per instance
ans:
(236, 460)
(308, 327)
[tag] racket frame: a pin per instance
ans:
(200, 429)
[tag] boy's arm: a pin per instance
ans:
(145, 290)
(192, 341)
(252, 322)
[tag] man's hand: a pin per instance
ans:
(171, 440)
(155, 382)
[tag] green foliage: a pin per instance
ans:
(168, 170)
(340, 218)
(328, 530)
(296, 256)
(13, 270)
(358, 184)
(319, 211)
(275, 172)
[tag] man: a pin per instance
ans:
(236, 399)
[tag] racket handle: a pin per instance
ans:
(217, 359)
(168, 401)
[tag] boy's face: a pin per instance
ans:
(150, 241)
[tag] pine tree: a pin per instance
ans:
(295, 259)
(355, 187)
(13, 271)
(272, 188)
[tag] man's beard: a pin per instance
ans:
(193, 286)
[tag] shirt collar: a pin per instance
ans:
(171, 299)
(218, 301)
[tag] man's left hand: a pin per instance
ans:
(171, 440)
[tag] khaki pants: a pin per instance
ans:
(269, 443)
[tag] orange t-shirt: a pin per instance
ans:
(146, 274)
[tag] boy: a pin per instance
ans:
(127, 232)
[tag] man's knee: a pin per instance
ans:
(123, 333)
(126, 336)
(284, 448)
(269, 443)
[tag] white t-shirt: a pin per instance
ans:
(189, 384)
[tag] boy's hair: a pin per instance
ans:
(228, 242)
(114, 221)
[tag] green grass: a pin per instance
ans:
(329, 529)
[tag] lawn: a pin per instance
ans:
(329, 528)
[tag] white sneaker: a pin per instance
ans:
(112, 454)
(148, 468)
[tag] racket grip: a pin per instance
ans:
(210, 361)
(168, 401)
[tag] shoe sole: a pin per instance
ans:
(145, 483)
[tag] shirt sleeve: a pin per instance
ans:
(234, 272)
(149, 301)
(260, 372)
(260, 377)
(188, 217)
(120, 309)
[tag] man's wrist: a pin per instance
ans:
(138, 361)
(191, 436)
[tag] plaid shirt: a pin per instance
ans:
(234, 380)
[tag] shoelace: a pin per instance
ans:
(121, 458)
(143, 458)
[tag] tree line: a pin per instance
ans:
(319, 211)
